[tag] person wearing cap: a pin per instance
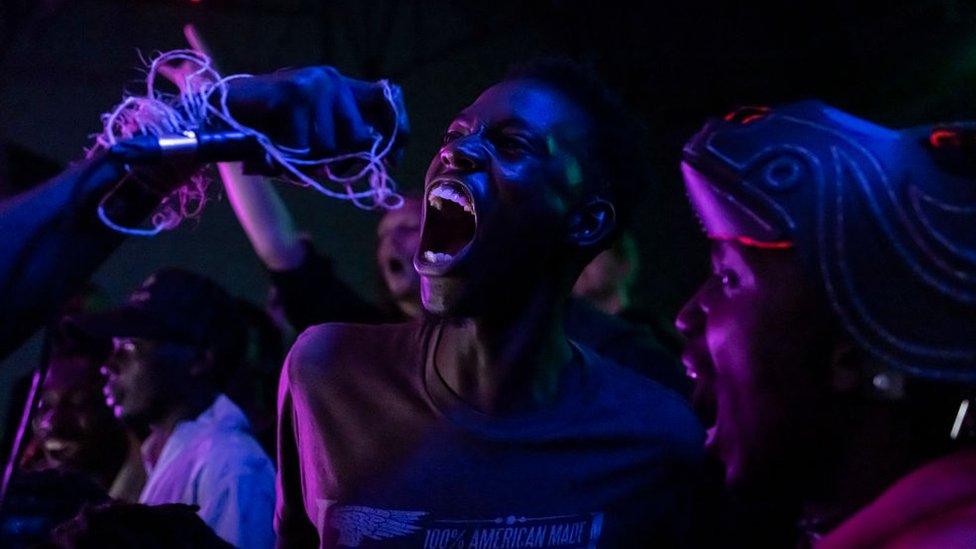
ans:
(834, 345)
(176, 341)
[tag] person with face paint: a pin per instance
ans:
(485, 422)
(834, 345)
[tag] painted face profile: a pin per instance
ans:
(757, 347)
(827, 231)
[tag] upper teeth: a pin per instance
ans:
(445, 192)
(437, 257)
(55, 445)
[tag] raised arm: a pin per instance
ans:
(266, 221)
(263, 216)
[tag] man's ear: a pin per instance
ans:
(592, 223)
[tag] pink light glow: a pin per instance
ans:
(753, 243)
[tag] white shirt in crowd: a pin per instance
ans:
(214, 462)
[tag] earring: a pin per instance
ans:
(887, 384)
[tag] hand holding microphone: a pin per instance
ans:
(316, 112)
(314, 126)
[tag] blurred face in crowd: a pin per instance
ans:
(497, 198)
(72, 426)
(145, 378)
(399, 237)
(757, 349)
(603, 278)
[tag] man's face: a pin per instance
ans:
(72, 426)
(497, 196)
(758, 352)
(144, 377)
(399, 238)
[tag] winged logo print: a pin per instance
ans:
(356, 523)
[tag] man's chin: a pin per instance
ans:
(132, 419)
(446, 297)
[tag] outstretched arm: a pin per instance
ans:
(53, 241)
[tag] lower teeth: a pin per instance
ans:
(437, 257)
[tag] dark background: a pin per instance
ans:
(64, 62)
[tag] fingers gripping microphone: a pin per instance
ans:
(188, 146)
(167, 127)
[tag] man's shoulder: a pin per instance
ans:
(652, 410)
(623, 384)
(625, 343)
(933, 506)
(236, 450)
(337, 346)
(217, 456)
(953, 527)
(226, 441)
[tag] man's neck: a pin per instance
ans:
(161, 430)
(506, 362)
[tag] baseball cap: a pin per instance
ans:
(171, 305)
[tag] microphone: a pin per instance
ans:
(200, 147)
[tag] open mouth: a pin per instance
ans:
(449, 225)
(703, 399)
(59, 449)
(394, 266)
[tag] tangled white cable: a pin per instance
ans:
(160, 113)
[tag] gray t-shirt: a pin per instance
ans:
(375, 450)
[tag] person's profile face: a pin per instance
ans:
(143, 376)
(398, 237)
(757, 351)
(497, 196)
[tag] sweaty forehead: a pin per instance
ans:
(530, 103)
